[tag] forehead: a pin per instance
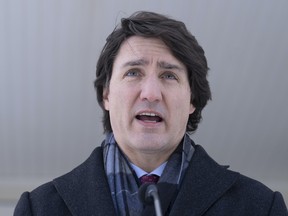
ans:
(150, 49)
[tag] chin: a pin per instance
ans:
(151, 145)
(150, 149)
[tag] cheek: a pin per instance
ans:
(116, 99)
(182, 107)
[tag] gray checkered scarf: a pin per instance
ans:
(123, 182)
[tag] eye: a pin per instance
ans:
(169, 76)
(133, 73)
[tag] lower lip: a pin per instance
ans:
(149, 124)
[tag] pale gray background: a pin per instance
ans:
(50, 121)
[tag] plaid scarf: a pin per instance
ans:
(123, 181)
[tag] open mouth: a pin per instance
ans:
(149, 117)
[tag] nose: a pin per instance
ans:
(151, 89)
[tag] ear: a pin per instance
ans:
(106, 98)
(192, 108)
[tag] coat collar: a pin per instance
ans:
(85, 189)
(205, 182)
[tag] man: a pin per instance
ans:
(152, 86)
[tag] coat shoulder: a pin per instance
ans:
(254, 195)
(52, 198)
(43, 200)
(221, 191)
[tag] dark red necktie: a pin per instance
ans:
(149, 179)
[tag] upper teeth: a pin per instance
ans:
(148, 114)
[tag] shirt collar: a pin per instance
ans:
(140, 172)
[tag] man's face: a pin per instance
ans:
(148, 98)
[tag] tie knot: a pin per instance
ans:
(149, 179)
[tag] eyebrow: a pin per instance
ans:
(138, 62)
(169, 66)
(161, 64)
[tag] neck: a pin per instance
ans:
(148, 161)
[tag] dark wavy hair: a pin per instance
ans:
(181, 42)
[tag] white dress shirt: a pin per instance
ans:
(140, 172)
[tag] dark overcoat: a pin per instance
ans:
(207, 189)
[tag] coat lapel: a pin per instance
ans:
(205, 182)
(85, 190)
